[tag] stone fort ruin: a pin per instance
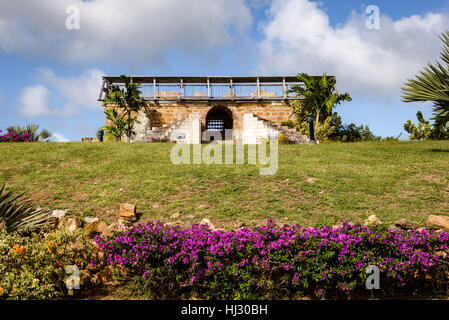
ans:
(248, 109)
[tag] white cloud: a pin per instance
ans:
(80, 91)
(33, 102)
(299, 38)
(58, 137)
(117, 30)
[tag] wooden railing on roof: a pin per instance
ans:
(208, 88)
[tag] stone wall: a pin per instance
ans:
(166, 113)
(274, 111)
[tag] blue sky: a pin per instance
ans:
(51, 75)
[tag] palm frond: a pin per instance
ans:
(18, 213)
(432, 84)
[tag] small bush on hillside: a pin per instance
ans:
(15, 137)
(32, 265)
(424, 130)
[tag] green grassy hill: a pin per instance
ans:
(314, 185)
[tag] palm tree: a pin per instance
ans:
(432, 84)
(319, 94)
(32, 130)
(114, 131)
(127, 99)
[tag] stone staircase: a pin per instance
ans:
(292, 134)
(163, 132)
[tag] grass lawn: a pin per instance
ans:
(314, 185)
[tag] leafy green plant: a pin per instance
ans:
(432, 84)
(424, 130)
(128, 100)
(32, 265)
(115, 131)
(289, 123)
(320, 95)
(32, 130)
(17, 213)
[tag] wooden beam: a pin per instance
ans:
(182, 88)
(258, 87)
(154, 88)
(101, 91)
(284, 88)
(208, 87)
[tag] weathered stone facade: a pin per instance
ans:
(254, 116)
(165, 114)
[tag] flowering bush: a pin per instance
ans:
(271, 261)
(32, 265)
(164, 139)
(15, 137)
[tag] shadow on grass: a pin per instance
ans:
(439, 150)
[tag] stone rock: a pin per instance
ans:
(90, 219)
(175, 215)
(59, 213)
(108, 231)
(439, 221)
(394, 227)
(405, 224)
(71, 224)
(96, 227)
(372, 220)
(128, 212)
(207, 221)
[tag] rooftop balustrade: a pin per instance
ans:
(209, 88)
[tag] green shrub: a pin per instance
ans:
(424, 130)
(289, 123)
(32, 264)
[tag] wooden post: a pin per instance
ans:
(182, 88)
(208, 87)
(101, 91)
(154, 88)
(284, 89)
(258, 88)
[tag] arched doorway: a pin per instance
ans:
(219, 119)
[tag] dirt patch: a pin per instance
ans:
(432, 178)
